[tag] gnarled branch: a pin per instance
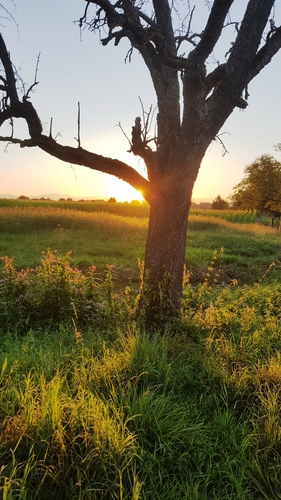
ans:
(14, 108)
(80, 156)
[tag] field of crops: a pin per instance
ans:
(115, 233)
(94, 407)
(133, 209)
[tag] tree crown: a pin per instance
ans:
(260, 189)
(220, 204)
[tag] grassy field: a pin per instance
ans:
(92, 407)
(117, 237)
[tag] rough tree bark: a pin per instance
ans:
(182, 135)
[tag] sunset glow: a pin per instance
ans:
(122, 191)
(31, 172)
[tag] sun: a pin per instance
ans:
(122, 191)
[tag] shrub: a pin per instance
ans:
(54, 292)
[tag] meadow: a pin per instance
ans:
(94, 407)
(102, 233)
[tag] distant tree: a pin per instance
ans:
(135, 202)
(220, 204)
(111, 200)
(23, 197)
(260, 189)
(192, 106)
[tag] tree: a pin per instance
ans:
(192, 106)
(260, 189)
(23, 197)
(220, 204)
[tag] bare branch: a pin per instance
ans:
(164, 24)
(80, 156)
(124, 133)
(15, 108)
(247, 42)
(242, 64)
(153, 39)
(147, 120)
(9, 15)
(218, 139)
(78, 127)
(35, 79)
(212, 31)
(129, 55)
(51, 128)
(10, 77)
(187, 37)
(266, 53)
(11, 140)
(84, 17)
(30, 89)
(140, 135)
(139, 142)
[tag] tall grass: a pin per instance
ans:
(29, 218)
(99, 238)
(240, 216)
(133, 209)
(93, 407)
(62, 436)
(95, 238)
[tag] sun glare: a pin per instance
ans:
(122, 191)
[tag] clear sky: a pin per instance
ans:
(73, 68)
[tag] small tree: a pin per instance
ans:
(23, 197)
(192, 106)
(260, 189)
(220, 204)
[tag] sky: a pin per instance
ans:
(75, 68)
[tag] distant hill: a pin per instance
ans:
(8, 196)
(51, 196)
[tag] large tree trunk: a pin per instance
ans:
(165, 251)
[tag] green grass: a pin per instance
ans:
(124, 415)
(93, 407)
(95, 238)
(99, 237)
(240, 216)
